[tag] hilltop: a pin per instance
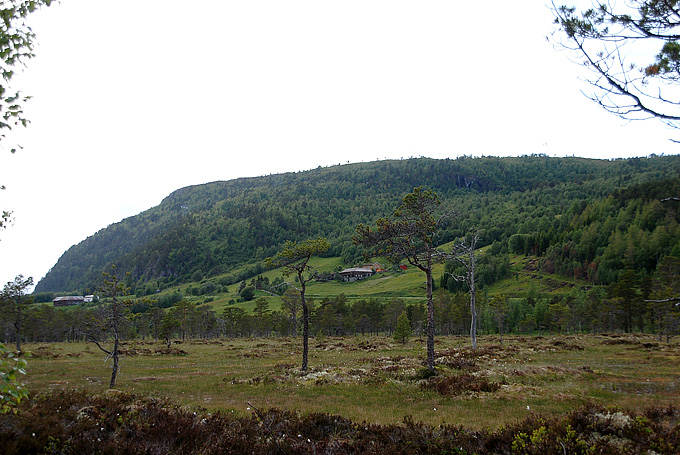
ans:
(524, 205)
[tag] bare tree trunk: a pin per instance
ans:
(430, 321)
(500, 328)
(473, 297)
(305, 337)
(17, 326)
(114, 370)
(305, 326)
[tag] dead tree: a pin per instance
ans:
(464, 254)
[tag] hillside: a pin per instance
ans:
(530, 204)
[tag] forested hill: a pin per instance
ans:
(216, 228)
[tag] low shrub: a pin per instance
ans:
(459, 384)
(119, 423)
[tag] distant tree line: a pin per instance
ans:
(618, 307)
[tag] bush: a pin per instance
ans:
(71, 422)
(11, 390)
(459, 384)
(248, 293)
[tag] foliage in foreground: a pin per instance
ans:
(73, 422)
(11, 391)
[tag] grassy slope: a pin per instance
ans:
(527, 278)
(408, 285)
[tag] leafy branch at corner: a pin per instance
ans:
(11, 391)
(294, 258)
(16, 47)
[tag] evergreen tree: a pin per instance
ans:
(409, 235)
(14, 298)
(112, 319)
(402, 331)
(294, 257)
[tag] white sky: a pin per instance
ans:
(134, 99)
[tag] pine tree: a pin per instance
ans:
(403, 330)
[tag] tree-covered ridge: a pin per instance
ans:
(210, 229)
(633, 228)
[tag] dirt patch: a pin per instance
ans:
(534, 370)
(144, 379)
(565, 345)
(458, 363)
(543, 344)
(487, 352)
(132, 351)
(170, 351)
(44, 351)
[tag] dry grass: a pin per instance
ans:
(379, 381)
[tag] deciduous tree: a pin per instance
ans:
(11, 390)
(294, 257)
(16, 48)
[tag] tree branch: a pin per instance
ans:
(672, 299)
(95, 341)
(598, 36)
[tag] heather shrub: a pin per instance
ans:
(459, 384)
(119, 423)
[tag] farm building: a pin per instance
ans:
(356, 273)
(68, 300)
(376, 267)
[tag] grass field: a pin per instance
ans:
(408, 285)
(376, 380)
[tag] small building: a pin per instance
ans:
(356, 273)
(376, 267)
(68, 300)
(403, 267)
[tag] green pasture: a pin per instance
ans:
(376, 380)
(408, 285)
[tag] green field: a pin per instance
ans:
(376, 380)
(408, 285)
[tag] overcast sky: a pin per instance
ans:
(134, 99)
